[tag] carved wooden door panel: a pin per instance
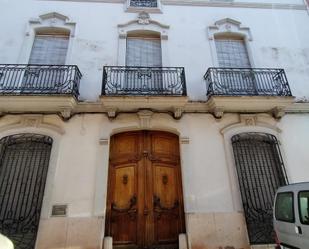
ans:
(144, 204)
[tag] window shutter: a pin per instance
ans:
(232, 53)
(143, 52)
(49, 49)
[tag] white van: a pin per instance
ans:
(291, 216)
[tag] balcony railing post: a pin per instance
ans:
(184, 84)
(104, 79)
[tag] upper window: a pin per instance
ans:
(232, 52)
(144, 49)
(284, 210)
(144, 3)
(49, 47)
(303, 201)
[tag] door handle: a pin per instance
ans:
(298, 230)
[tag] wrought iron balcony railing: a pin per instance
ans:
(39, 79)
(144, 3)
(247, 82)
(158, 81)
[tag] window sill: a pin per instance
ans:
(131, 9)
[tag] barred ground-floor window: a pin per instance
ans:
(260, 171)
(24, 160)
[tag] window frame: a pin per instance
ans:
(228, 39)
(44, 23)
(46, 33)
(299, 208)
(293, 209)
(230, 28)
(143, 36)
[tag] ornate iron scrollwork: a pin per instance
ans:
(20, 210)
(130, 210)
(159, 208)
(260, 172)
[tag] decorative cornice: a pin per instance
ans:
(251, 121)
(208, 3)
(142, 22)
(143, 18)
(32, 121)
(229, 26)
(234, 4)
(51, 20)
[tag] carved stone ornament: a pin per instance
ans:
(52, 19)
(143, 18)
(145, 118)
(31, 120)
(218, 112)
(278, 112)
(103, 141)
(112, 112)
(178, 112)
(184, 140)
(66, 113)
(249, 120)
(228, 25)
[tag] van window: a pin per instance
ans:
(284, 210)
(303, 202)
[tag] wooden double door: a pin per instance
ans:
(144, 202)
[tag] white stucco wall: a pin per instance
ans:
(280, 39)
(80, 162)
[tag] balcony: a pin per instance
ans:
(248, 90)
(144, 3)
(131, 88)
(38, 88)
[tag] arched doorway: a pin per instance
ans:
(144, 202)
(24, 161)
(260, 171)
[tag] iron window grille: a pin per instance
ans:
(24, 161)
(144, 3)
(260, 171)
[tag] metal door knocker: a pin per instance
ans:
(164, 179)
(125, 179)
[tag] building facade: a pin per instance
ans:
(150, 124)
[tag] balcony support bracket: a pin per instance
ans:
(218, 112)
(66, 113)
(112, 112)
(278, 112)
(178, 111)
